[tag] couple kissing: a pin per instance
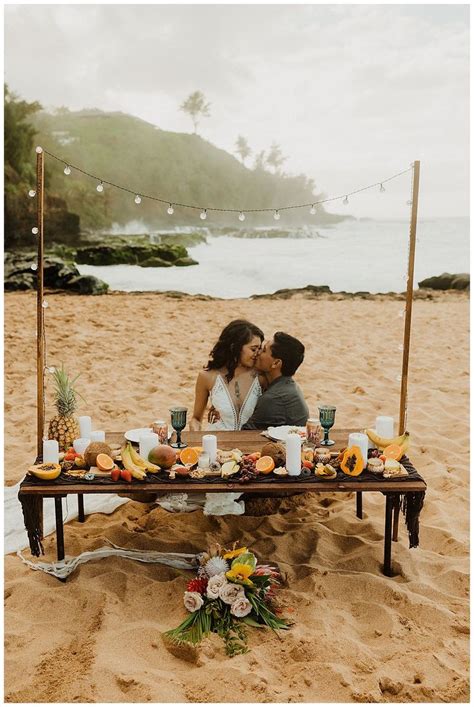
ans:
(248, 381)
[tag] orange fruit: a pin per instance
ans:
(189, 456)
(393, 451)
(104, 462)
(265, 465)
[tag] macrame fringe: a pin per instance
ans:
(32, 507)
(412, 504)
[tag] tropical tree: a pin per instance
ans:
(259, 162)
(18, 132)
(275, 158)
(242, 148)
(196, 106)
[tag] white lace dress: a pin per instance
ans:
(230, 418)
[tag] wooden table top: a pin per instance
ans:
(247, 441)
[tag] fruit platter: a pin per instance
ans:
(100, 461)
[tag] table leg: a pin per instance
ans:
(58, 506)
(396, 515)
(387, 555)
(80, 508)
(359, 504)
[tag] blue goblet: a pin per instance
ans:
(178, 422)
(327, 415)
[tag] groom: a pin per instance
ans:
(283, 402)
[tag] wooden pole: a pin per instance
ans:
(39, 301)
(409, 297)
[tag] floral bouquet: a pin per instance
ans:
(231, 591)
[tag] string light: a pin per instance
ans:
(138, 199)
(170, 209)
(50, 369)
(39, 150)
(67, 170)
(312, 210)
(409, 202)
(400, 347)
(401, 313)
(241, 216)
(203, 214)
(32, 193)
(35, 231)
(399, 378)
(34, 266)
(310, 205)
(45, 305)
(276, 215)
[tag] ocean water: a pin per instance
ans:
(368, 255)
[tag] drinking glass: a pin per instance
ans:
(178, 422)
(327, 415)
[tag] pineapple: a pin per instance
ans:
(63, 426)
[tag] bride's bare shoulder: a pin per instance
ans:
(207, 378)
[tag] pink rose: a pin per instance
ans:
(241, 607)
(193, 601)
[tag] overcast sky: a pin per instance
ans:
(352, 93)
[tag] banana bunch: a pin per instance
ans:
(137, 466)
(383, 442)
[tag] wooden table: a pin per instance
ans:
(246, 441)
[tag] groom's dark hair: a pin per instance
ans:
(289, 350)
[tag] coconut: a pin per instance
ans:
(95, 448)
(276, 451)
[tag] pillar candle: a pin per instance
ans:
(359, 439)
(50, 451)
(98, 436)
(85, 426)
(384, 426)
(147, 442)
(209, 445)
(293, 454)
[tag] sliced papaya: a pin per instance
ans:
(47, 472)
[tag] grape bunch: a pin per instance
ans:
(248, 472)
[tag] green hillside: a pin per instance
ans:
(178, 167)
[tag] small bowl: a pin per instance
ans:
(322, 456)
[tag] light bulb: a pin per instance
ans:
(312, 210)
(401, 313)
(345, 201)
(204, 214)
(276, 215)
(45, 305)
(32, 193)
(100, 187)
(34, 231)
(39, 150)
(382, 188)
(400, 347)
(34, 266)
(241, 216)
(399, 378)
(67, 169)
(409, 202)
(51, 369)
(170, 209)
(138, 199)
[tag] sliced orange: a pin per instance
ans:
(104, 462)
(265, 465)
(393, 451)
(188, 455)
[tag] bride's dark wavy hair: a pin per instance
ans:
(227, 350)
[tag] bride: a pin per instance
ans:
(229, 381)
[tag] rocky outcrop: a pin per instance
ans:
(146, 255)
(57, 274)
(312, 290)
(447, 281)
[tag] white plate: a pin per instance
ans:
(134, 435)
(281, 433)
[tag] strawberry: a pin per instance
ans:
(115, 474)
(126, 475)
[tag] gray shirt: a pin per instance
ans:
(281, 404)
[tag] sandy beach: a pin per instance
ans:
(358, 636)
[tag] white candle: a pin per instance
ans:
(50, 451)
(98, 436)
(293, 454)
(209, 445)
(359, 439)
(85, 426)
(384, 426)
(147, 442)
(80, 445)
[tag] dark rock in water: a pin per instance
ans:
(447, 281)
(131, 254)
(313, 290)
(57, 275)
(87, 285)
